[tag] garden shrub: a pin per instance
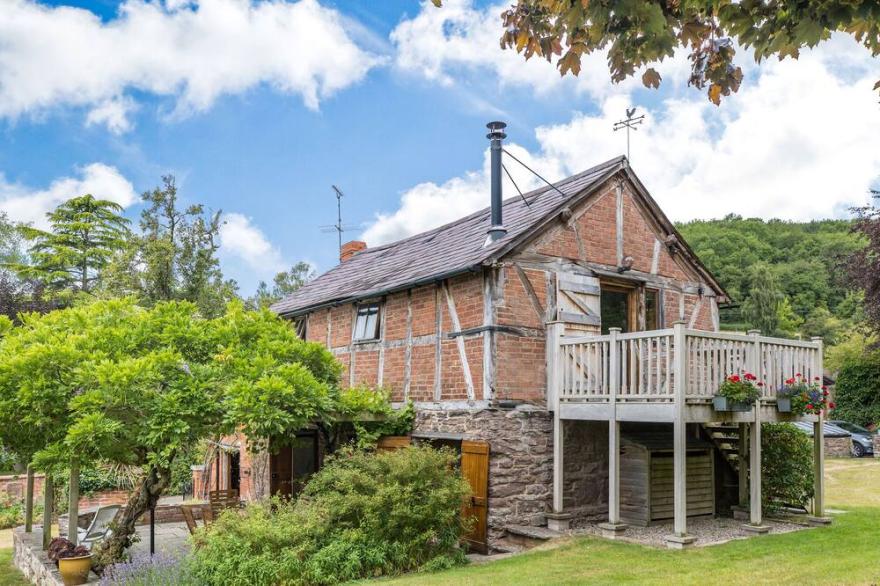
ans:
(11, 512)
(362, 515)
(857, 392)
(786, 466)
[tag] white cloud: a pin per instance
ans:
(797, 142)
(26, 204)
(241, 240)
(196, 51)
(458, 40)
(113, 114)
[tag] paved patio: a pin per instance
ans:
(172, 539)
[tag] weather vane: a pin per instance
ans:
(630, 123)
(338, 227)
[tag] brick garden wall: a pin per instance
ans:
(14, 486)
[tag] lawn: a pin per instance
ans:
(845, 553)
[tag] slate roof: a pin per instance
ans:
(451, 249)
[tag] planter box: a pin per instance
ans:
(783, 404)
(724, 404)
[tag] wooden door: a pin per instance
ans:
(578, 303)
(281, 472)
(475, 469)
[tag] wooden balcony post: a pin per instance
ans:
(555, 331)
(819, 450)
(680, 538)
(614, 527)
(743, 455)
(556, 520)
(753, 360)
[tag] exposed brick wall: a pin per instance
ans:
(521, 301)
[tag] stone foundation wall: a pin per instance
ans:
(520, 459)
(877, 446)
(585, 471)
(521, 462)
(838, 447)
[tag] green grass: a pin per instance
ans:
(9, 576)
(844, 553)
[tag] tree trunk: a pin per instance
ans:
(144, 497)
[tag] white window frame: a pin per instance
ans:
(362, 329)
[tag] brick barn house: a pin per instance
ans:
(565, 342)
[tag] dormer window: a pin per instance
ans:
(366, 324)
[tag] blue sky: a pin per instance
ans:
(258, 108)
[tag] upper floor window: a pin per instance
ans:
(366, 324)
(299, 324)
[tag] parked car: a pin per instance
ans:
(862, 439)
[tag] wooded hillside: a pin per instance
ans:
(785, 276)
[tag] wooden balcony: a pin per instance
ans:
(650, 376)
(672, 376)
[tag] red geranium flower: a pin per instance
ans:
(831, 405)
(789, 381)
(815, 378)
(825, 393)
(810, 406)
(798, 374)
(750, 376)
(734, 378)
(824, 388)
(760, 384)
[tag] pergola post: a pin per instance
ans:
(680, 538)
(558, 520)
(48, 499)
(29, 500)
(73, 503)
(613, 527)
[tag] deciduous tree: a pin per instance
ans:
(641, 33)
(175, 255)
(116, 382)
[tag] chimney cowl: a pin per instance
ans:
(349, 249)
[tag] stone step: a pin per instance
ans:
(527, 536)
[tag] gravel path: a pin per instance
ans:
(707, 531)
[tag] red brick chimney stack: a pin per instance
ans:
(349, 249)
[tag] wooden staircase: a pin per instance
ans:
(725, 437)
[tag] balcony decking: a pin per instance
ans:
(655, 375)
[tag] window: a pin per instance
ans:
(652, 309)
(299, 324)
(366, 325)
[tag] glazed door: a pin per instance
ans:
(305, 460)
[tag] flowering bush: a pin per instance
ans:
(161, 569)
(741, 389)
(806, 396)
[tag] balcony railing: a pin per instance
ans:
(660, 365)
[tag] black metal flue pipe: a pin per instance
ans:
(495, 136)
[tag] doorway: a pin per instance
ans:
(293, 464)
(618, 306)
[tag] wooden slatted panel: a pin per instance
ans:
(475, 469)
(578, 303)
(700, 485)
(393, 442)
